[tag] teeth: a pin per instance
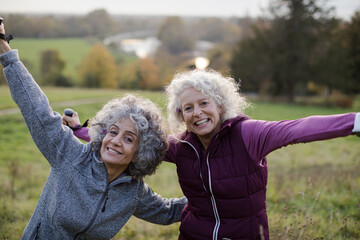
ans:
(113, 151)
(201, 122)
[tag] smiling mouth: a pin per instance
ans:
(113, 151)
(201, 122)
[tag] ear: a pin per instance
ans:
(182, 117)
(220, 110)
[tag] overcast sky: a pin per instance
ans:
(226, 8)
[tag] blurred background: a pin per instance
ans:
(278, 49)
(293, 58)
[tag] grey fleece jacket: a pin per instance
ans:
(77, 202)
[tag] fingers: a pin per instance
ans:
(71, 121)
(2, 28)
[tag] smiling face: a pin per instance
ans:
(119, 146)
(201, 114)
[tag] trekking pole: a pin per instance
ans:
(69, 112)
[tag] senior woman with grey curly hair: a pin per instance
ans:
(151, 137)
(92, 189)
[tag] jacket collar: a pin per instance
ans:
(125, 177)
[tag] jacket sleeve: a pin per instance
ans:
(263, 137)
(54, 140)
(174, 141)
(83, 134)
(156, 209)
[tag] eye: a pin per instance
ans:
(128, 139)
(187, 109)
(113, 133)
(204, 103)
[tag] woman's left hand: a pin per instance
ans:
(4, 45)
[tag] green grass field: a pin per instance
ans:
(313, 190)
(72, 51)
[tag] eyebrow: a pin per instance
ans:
(199, 100)
(130, 132)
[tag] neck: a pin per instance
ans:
(113, 173)
(206, 139)
(205, 143)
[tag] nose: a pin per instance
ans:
(116, 140)
(197, 111)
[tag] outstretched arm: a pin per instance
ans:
(156, 209)
(263, 137)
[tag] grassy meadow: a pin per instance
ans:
(313, 189)
(72, 51)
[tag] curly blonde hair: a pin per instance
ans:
(147, 119)
(223, 90)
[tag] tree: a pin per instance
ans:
(290, 45)
(100, 23)
(249, 64)
(52, 66)
(148, 75)
(353, 32)
(174, 37)
(142, 74)
(98, 69)
(217, 30)
(219, 58)
(331, 68)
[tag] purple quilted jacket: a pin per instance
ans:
(226, 185)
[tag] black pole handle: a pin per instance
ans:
(69, 112)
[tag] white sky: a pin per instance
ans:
(226, 8)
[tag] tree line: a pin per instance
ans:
(297, 48)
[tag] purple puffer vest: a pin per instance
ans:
(226, 189)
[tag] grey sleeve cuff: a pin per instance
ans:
(9, 57)
(356, 128)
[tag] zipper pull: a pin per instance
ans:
(103, 208)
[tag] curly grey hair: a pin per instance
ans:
(147, 119)
(223, 90)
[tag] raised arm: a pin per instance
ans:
(263, 137)
(52, 139)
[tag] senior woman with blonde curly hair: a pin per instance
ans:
(221, 155)
(92, 189)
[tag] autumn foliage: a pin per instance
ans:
(98, 70)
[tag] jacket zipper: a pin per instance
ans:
(213, 202)
(101, 205)
(212, 198)
(106, 199)
(198, 156)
